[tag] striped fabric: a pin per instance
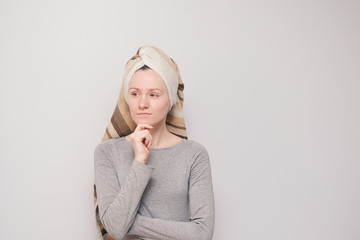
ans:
(121, 123)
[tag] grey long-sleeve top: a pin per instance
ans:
(170, 197)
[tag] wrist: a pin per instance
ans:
(142, 160)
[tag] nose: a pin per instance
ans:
(143, 102)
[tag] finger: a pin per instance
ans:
(148, 138)
(142, 134)
(142, 137)
(148, 141)
(149, 145)
(143, 126)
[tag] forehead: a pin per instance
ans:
(147, 79)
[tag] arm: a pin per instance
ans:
(118, 204)
(202, 212)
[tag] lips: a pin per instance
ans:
(143, 114)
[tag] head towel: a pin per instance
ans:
(121, 123)
(158, 61)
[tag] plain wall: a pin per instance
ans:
(271, 90)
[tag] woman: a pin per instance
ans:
(151, 182)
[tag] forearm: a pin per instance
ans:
(164, 230)
(118, 206)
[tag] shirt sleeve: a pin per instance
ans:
(118, 202)
(202, 210)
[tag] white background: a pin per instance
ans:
(271, 90)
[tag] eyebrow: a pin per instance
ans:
(151, 89)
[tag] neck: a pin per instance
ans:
(160, 136)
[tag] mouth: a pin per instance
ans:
(143, 114)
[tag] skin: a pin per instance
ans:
(149, 104)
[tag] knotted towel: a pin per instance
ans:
(121, 123)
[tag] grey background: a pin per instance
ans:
(271, 90)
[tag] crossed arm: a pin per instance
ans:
(118, 205)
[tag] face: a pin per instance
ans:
(148, 98)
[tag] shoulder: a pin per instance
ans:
(194, 146)
(195, 150)
(112, 146)
(200, 159)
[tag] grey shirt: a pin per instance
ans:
(170, 197)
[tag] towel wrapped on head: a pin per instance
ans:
(160, 63)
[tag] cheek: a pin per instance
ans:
(164, 107)
(132, 107)
(161, 109)
(164, 111)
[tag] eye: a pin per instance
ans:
(154, 95)
(134, 94)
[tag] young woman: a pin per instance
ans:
(151, 182)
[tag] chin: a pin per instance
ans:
(148, 122)
(143, 121)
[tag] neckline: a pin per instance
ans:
(167, 148)
(159, 149)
